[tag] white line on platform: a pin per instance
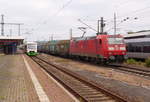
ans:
(39, 90)
(72, 96)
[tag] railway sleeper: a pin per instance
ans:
(84, 89)
(78, 87)
(96, 93)
(87, 91)
(94, 96)
(105, 99)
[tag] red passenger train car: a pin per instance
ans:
(101, 48)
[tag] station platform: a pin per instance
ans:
(15, 83)
(22, 80)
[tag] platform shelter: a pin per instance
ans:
(8, 44)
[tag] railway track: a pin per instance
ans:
(134, 70)
(85, 90)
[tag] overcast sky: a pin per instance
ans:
(44, 18)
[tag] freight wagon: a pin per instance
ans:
(52, 47)
(55, 47)
(62, 48)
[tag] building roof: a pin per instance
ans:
(11, 38)
(142, 34)
(137, 40)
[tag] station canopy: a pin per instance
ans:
(11, 39)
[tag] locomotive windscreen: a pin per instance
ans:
(31, 46)
(115, 40)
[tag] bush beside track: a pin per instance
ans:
(136, 62)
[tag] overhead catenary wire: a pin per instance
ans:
(87, 25)
(63, 7)
(127, 15)
(69, 2)
(122, 3)
(131, 13)
(55, 14)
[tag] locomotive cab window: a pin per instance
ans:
(115, 40)
(31, 46)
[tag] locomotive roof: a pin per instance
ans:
(83, 38)
(93, 37)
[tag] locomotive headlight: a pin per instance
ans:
(123, 52)
(111, 48)
(110, 53)
(122, 48)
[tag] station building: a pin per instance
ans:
(8, 44)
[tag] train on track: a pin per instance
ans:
(101, 48)
(138, 45)
(31, 48)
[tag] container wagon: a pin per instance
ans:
(62, 47)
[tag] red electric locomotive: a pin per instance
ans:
(101, 48)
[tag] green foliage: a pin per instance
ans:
(2, 97)
(141, 63)
(131, 61)
(147, 62)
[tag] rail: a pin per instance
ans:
(134, 70)
(86, 90)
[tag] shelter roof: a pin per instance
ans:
(9, 39)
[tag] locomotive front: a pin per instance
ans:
(31, 48)
(116, 48)
(111, 48)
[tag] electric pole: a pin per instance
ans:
(2, 25)
(18, 24)
(10, 30)
(98, 22)
(115, 24)
(52, 37)
(100, 26)
(19, 29)
(70, 33)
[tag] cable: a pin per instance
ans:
(64, 6)
(87, 25)
(132, 12)
(139, 10)
(122, 3)
(55, 14)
